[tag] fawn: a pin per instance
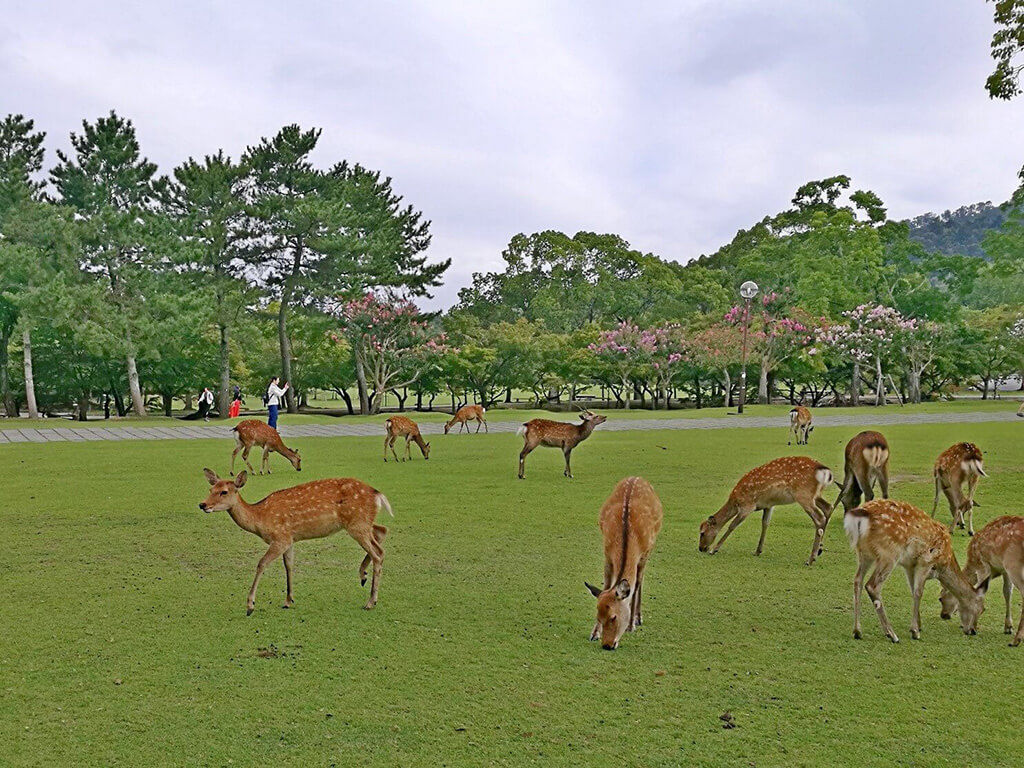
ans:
(399, 426)
(630, 520)
(253, 432)
(800, 424)
(867, 460)
(464, 414)
(956, 465)
(556, 434)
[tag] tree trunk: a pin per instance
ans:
(10, 405)
(348, 400)
(138, 404)
(727, 383)
(286, 353)
(625, 395)
(762, 385)
(83, 407)
(879, 382)
(168, 402)
(224, 395)
(696, 390)
(913, 386)
(984, 388)
(855, 385)
(30, 384)
(119, 402)
(364, 400)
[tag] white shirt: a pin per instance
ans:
(274, 394)
(206, 397)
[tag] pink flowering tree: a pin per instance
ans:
(668, 344)
(393, 345)
(716, 351)
(625, 352)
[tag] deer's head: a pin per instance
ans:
(296, 460)
(223, 493)
(970, 608)
(448, 426)
(614, 611)
(708, 531)
(426, 450)
(592, 419)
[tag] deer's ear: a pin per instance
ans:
(593, 590)
(982, 588)
(211, 476)
(711, 519)
(622, 589)
(240, 479)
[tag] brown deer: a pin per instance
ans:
(787, 480)
(867, 460)
(997, 550)
(254, 432)
(886, 533)
(630, 520)
(308, 511)
(399, 426)
(800, 424)
(464, 414)
(556, 434)
(956, 465)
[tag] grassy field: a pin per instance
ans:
(125, 640)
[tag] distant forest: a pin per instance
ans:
(957, 232)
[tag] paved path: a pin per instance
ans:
(618, 422)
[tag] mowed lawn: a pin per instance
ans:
(124, 640)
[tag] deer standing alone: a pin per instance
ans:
(867, 460)
(787, 480)
(800, 424)
(464, 414)
(308, 511)
(556, 434)
(886, 533)
(630, 521)
(253, 432)
(997, 550)
(399, 426)
(956, 465)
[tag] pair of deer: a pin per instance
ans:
(884, 533)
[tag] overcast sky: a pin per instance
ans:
(671, 123)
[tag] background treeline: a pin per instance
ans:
(128, 288)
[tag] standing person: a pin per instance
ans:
(205, 401)
(274, 395)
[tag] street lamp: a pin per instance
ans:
(748, 291)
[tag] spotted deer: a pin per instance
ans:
(867, 461)
(800, 424)
(254, 432)
(885, 533)
(308, 511)
(556, 434)
(956, 465)
(996, 550)
(787, 480)
(399, 426)
(464, 414)
(630, 521)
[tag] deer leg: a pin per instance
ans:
(637, 616)
(478, 423)
(367, 539)
(233, 454)
(408, 449)
(820, 520)
(858, 586)
(568, 469)
(245, 458)
(266, 461)
(916, 580)
(596, 633)
(883, 481)
(874, 590)
(486, 430)
(1008, 599)
(289, 558)
(740, 517)
(379, 533)
(865, 483)
(276, 549)
(386, 439)
(522, 463)
(1014, 573)
(766, 520)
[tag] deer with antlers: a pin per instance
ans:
(787, 480)
(464, 414)
(556, 434)
(399, 426)
(867, 461)
(630, 520)
(959, 464)
(309, 511)
(800, 424)
(886, 533)
(996, 550)
(253, 432)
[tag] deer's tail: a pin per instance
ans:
(521, 431)
(856, 524)
(384, 504)
(792, 418)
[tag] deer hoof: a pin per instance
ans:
(1015, 642)
(1008, 629)
(894, 638)
(856, 634)
(915, 634)
(249, 610)
(368, 606)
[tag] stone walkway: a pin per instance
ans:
(618, 422)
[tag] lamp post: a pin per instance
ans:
(748, 291)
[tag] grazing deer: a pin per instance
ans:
(556, 434)
(308, 511)
(399, 426)
(464, 414)
(630, 521)
(867, 460)
(787, 480)
(800, 424)
(253, 432)
(958, 464)
(887, 533)
(997, 550)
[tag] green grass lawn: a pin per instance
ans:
(125, 640)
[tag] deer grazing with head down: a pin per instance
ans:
(787, 480)
(886, 533)
(956, 465)
(399, 426)
(556, 434)
(867, 461)
(309, 511)
(996, 550)
(630, 520)
(800, 424)
(464, 414)
(253, 432)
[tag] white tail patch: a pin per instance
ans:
(792, 418)
(875, 456)
(482, 409)
(521, 431)
(824, 476)
(856, 528)
(979, 468)
(383, 503)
